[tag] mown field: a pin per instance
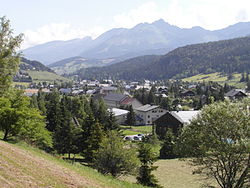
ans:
(217, 77)
(44, 76)
(132, 130)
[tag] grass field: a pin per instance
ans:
(44, 76)
(127, 130)
(217, 77)
(175, 173)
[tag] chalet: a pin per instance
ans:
(120, 114)
(174, 120)
(147, 114)
(235, 94)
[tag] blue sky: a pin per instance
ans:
(47, 20)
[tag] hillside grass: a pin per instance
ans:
(217, 77)
(44, 76)
(175, 173)
(31, 166)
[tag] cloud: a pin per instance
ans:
(212, 14)
(57, 31)
(145, 13)
(209, 14)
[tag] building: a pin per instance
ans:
(120, 115)
(235, 94)
(108, 89)
(174, 120)
(147, 114)
(187, 93)
(117, 100)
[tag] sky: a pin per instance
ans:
(47, 20)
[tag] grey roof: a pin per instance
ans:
(110, 88)
(115, 97)
(185, 116)
(234, 92)
(146, 107)
(118, 112)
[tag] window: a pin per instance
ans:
(148, 116)
(148, 122)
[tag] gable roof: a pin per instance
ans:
(118, 112)
(146, 107)
(115, 97)
(185, 116)
(235, 92)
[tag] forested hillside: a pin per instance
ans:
(226, 56)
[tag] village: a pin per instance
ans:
(119, 96)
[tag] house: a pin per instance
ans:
(65, 90)
(130, 102)
(235, 94)
(113, 100)
(187, 93)
(120, 114)
(174, 120)
(116, 100)
(29, 92)
(147, 114)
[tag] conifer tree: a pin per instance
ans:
(53, 110)
(63, 136)
(147, 158)
(167, 149)
(41, 102)
(131, 117)
(111, 123)
(92, 136)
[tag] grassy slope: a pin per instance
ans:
(23, 166)
(216, 77)
(42, 76)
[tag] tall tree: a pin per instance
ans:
(53, 110)
(218, 142)
(167, 149)
(147, 158)
(18, 119)
(114, 157)
(131, 117)
(64, 131)
(93, 135)
(9, 57)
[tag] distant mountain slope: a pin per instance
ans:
(158, 37)
(226, 56)
(72, 64)
(33, 65)
(34, 71)
(57, 50)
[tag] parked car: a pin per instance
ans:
(137, 138)
(128, 138)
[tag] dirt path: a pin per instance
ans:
(20, 168)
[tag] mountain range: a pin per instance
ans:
(119, 44)
(226, 56)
